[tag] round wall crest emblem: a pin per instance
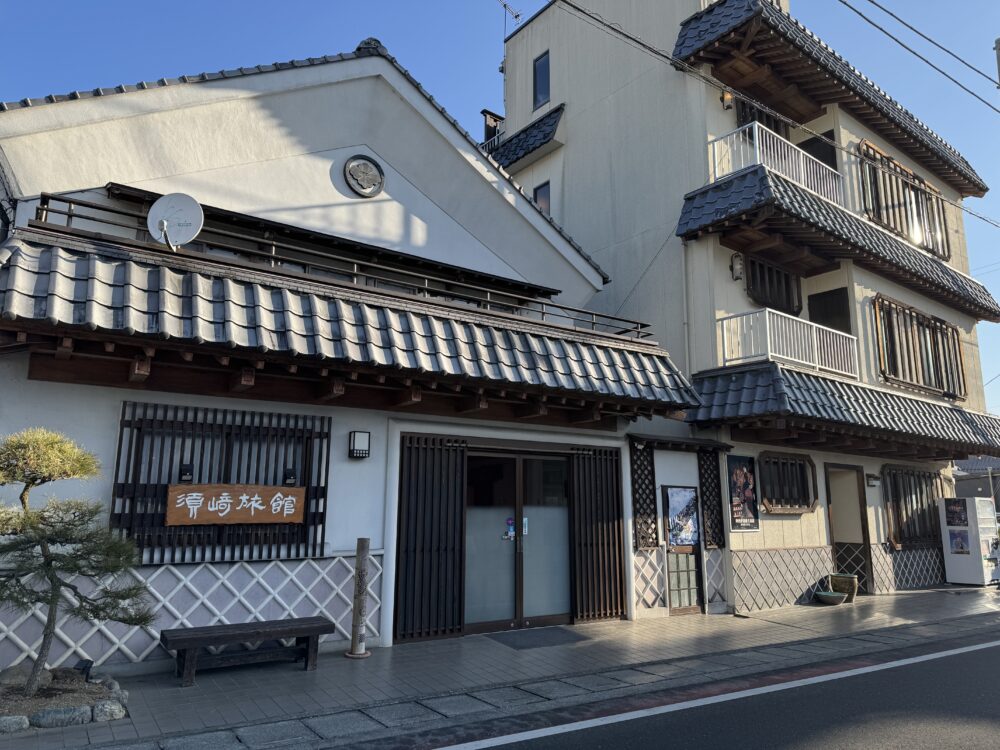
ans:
(364, 176)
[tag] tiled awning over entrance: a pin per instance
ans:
(79, 288)
(776, 204)
(780, 404)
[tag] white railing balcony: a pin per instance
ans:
(755, 144)
(492, 143)
(768, 335)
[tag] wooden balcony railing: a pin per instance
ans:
(768, 335)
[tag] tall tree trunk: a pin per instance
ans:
(48, 633)
(25, 491)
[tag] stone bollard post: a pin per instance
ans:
(360, 604)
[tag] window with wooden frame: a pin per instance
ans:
(771, 286)
(747, 113)
(787, 482)
(917, 350)
(910, 497)
(903, 202)
(160, 445)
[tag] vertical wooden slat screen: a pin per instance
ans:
(222, 446)
(597, 527)
(430, 548)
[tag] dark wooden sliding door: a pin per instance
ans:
(598, 547)
(430, 544)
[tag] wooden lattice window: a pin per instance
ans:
(160, 445)
(903, 202)
(918, 350)
(747, 113)
(787, 482)
(772, 286)
(910, 497)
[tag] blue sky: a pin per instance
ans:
(454, 48)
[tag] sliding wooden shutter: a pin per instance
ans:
(597, 525)
(431, 538)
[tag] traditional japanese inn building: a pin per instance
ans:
(796, 238)
(386, 329)
(375, 334)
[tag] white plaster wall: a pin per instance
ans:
(90, 416)
(634, 144)
(812, 529)
(273, 145)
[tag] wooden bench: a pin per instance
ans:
(188, 641)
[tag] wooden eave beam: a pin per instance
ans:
(410, 396)
(139, 369)
(243, 380)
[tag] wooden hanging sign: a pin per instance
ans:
(212, 504)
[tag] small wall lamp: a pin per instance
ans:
(736, 266)
(726, 99)
(360, 445)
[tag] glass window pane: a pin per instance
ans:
(541, 80)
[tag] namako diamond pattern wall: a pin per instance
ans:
(769, 578)
(203, 594)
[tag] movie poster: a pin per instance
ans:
(956, 511)
(743, 511)
(681, 505)
(959, 542)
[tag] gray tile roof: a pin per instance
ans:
(772, 390)
(528, 139)
(979, 465)
(757, 187)
(97, 287)
(719, 19)
(370, 47)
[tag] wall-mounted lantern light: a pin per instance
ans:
(360, 445)
(186, 475)
(726, 99)
(736, 266)
(290, 478)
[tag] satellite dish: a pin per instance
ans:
(175, 220)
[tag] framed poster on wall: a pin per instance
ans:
(680, 506)
(744, 514)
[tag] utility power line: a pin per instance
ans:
(941, 47)
(916, 54)
(615, 29)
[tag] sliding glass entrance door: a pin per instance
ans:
(517, 551)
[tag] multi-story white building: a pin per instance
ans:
(795, 238)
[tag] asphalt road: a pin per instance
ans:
(953, 702)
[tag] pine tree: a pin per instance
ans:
(62, 548)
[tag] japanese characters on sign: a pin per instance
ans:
(211, 504)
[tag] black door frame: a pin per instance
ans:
(866, 539)
(519, 621)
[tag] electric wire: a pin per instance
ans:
(610, 27)
(916, 54)
(941, 47)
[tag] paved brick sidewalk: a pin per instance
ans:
(434, 683)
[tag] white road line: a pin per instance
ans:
(577, 726)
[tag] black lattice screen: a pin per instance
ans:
(221, 446)
(645, 533)
(710, 484)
